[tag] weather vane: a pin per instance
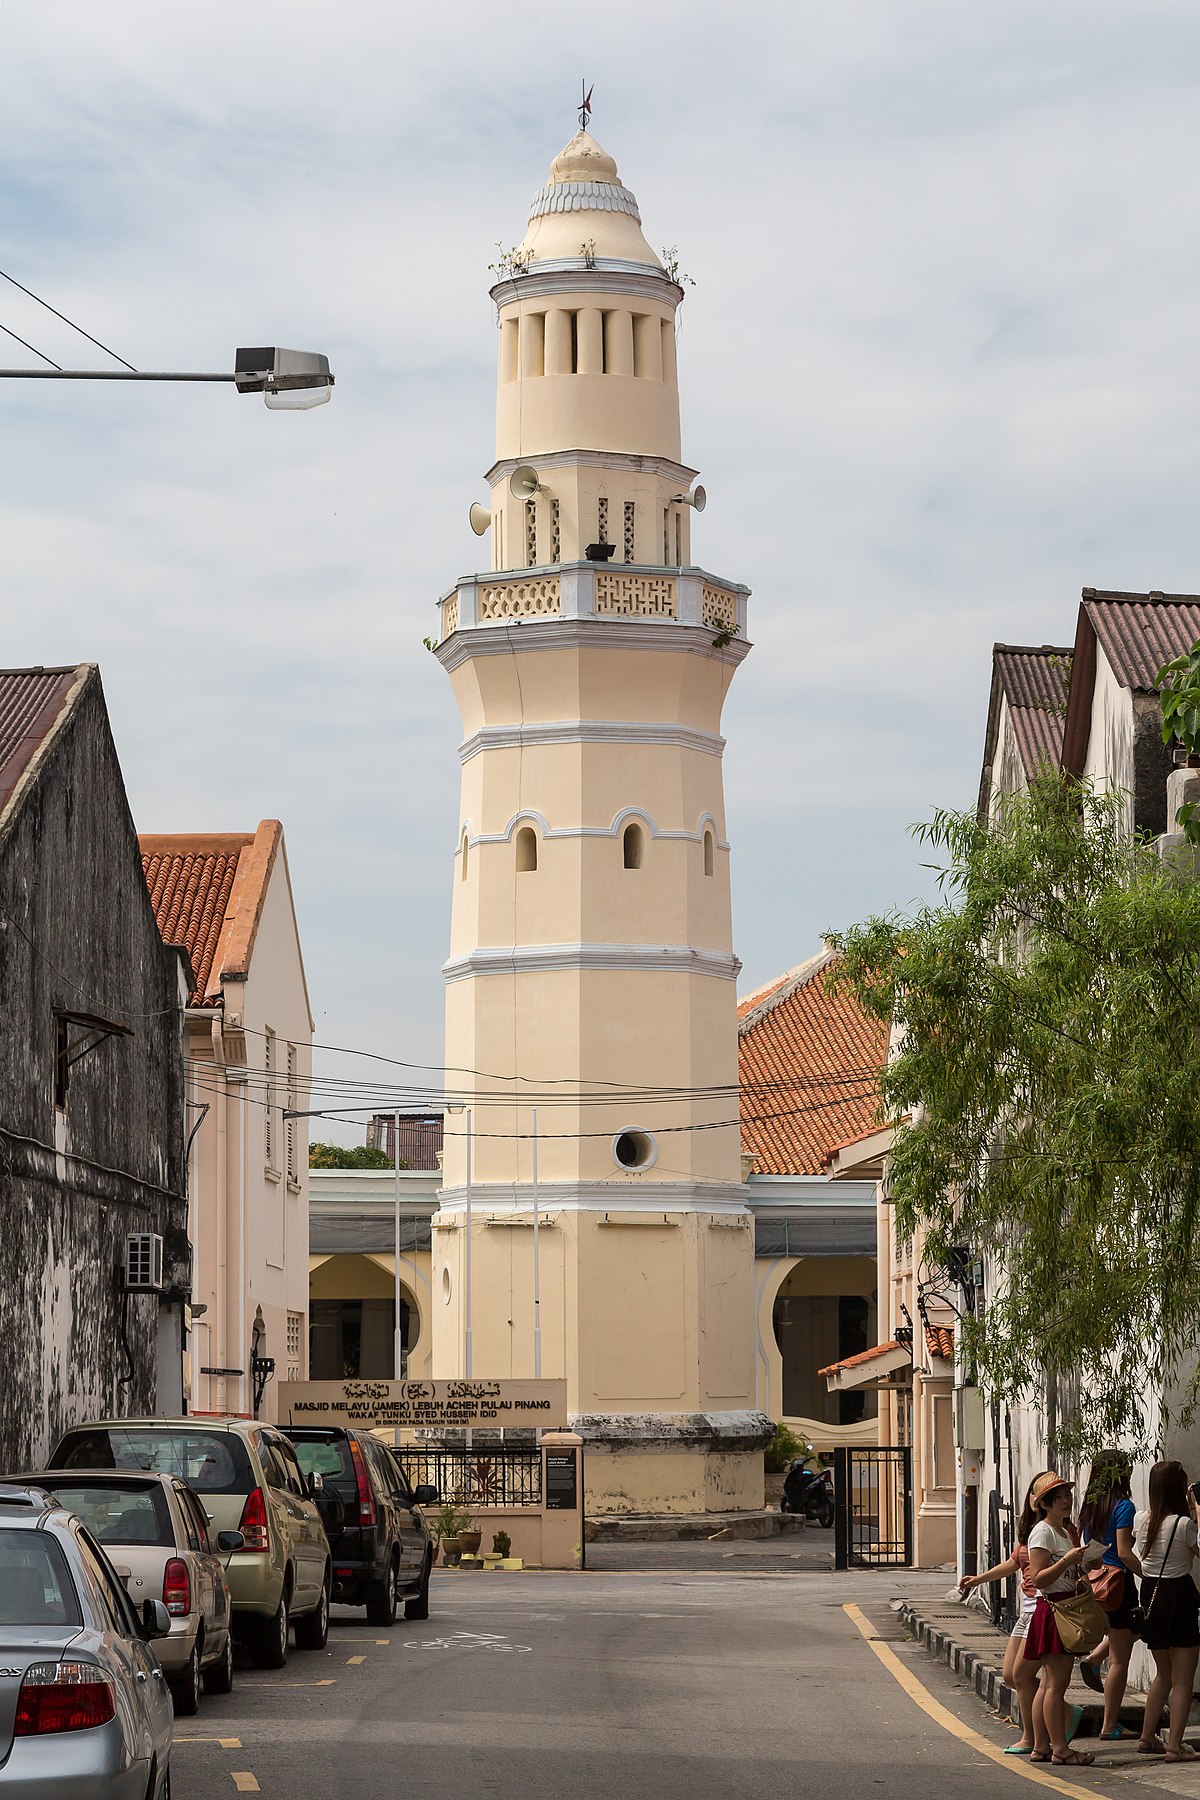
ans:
(585, 105)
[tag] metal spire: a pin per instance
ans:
(585, 105)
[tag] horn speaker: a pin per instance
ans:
(480, 518)
(524, 483)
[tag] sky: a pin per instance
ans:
(939, 371)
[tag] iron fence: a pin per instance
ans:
(873, 1514)
(476, 1478)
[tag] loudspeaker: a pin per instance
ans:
(524, 483)
(480, 518)
(697, 498)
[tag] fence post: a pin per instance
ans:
(841, 1507)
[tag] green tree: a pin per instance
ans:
(354, 1156)
(1046, 1080)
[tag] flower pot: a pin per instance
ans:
(469, 1542)
(451, 1551)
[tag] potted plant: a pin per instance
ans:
(501, 1544)
(446, 1528)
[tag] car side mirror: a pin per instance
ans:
(315, 1485)
(156, 1620)
(426, 1495)
(231, 1540)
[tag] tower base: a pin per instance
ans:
(673, 1462)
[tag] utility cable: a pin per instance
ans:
(74, 327)
(31, 347)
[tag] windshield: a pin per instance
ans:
(115, 1514)
(213, 1462)
(329, 1457)
(35, 1586)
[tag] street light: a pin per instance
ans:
(288, 380)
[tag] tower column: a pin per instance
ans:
(591, 974)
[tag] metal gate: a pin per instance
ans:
(873, 1507)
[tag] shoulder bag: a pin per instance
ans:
(1142, 1615)
(1080, 1619)
(1108, 1585)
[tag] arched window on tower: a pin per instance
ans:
(632, 843)
(527, 849)
(462, 867)
(708, 853)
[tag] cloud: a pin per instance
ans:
(938, 371)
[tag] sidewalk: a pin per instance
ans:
(965, 1638)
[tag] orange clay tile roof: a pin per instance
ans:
(207, 890)
(808, 1065)
(864, 1356)
(940, 1341)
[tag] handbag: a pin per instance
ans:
(1108, 1585)
(1142, 1615)
(1080, 1619)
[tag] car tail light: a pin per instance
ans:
(66, 1696)
(177, 1588)
(253, 1522)
(366, 1500)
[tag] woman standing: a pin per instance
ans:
(1166, 1539)
(1020, 1675)
(1107, 1515)
(1054, 1563)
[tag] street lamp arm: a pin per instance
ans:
(108, 375)
(272, 372)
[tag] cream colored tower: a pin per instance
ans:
(591, 972)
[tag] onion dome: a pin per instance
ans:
(583, 210)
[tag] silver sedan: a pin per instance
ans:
(85, 1713)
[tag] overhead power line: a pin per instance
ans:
(74, 327)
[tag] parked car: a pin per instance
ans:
(247, 1479)
(382, 1550)
(84, 1705)
(156, 1534)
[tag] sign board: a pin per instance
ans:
(562, 1480)
(431, 1405)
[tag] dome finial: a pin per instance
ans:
(585, 104)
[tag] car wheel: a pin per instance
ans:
(418, 1606)
(218, 1677)
(312, 1631)
(381, 1598)
(269, 1644)
(185, 1687)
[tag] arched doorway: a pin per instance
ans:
(351, 1320)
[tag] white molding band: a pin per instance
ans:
(576, 275)
(623, 1194)
(547, 633)
(536, 959)
(529, 816)
(591, 731)
(625, 460)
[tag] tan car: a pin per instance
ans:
(247, 1479)
(156, 1535)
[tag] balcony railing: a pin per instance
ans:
(589, 590)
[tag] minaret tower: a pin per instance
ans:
(591, 973)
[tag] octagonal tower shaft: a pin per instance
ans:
(591, 972)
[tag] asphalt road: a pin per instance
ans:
(638, 1685)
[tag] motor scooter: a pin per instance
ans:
(808, 1489)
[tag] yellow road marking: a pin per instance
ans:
(383, 1640)
(941, 1715)
(352, 1660)
(225, 1743)
(245, 1783)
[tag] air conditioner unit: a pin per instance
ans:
(144, 1263)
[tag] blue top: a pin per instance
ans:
(1121, 1520)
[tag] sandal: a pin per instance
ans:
(1075, 1758)
(1092, 1676)
(1018, 1750)
(1185, 1753)
(1118, 1733)
(1039, 1756)
(1154, 1748)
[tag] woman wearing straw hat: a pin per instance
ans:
(1054, 1563)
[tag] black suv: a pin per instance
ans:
(381, 1546)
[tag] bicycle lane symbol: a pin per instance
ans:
(472, 1640)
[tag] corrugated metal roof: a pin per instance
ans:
(31, 704)
(1034, 680)
(1140, 632)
